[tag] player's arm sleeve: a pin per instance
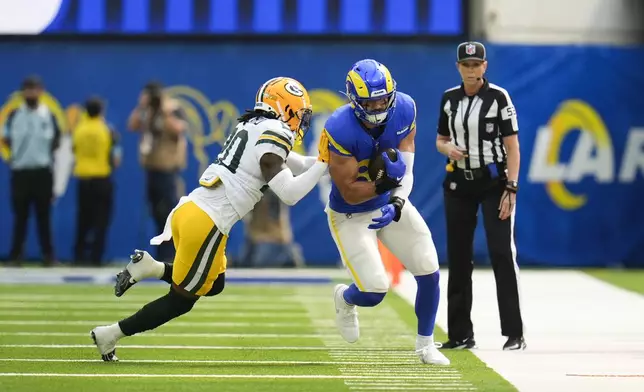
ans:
(292, 189)
(443, 120)
(276, 142)
(407, 182)
(508, 122)
(299, 163)
(407, 151)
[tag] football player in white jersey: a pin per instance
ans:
(252, 159)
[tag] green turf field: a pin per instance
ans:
(252, 338)
(629, 279)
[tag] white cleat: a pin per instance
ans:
(141, 266)
(346, 316)
(431, 356)
(105, 341)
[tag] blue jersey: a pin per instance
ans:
(347, 137)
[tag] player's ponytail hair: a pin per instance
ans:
(255, 113)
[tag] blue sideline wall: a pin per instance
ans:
(580, 117)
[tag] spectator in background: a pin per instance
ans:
(163, 149)
(269, 237)
(32, 134)
(97, 153)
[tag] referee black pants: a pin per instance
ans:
(462, 200)
(93, 218)
(32, 187)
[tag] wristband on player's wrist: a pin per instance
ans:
(398, 204)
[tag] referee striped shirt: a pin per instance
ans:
(478, 123)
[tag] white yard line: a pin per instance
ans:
(142, 299)
(320, 324)
(365, 350)
(205, 361)
(106, 274)
(221, 376)
(182, 324)
(200, 313)
(213, 305)
(574, 324)
(182, 335)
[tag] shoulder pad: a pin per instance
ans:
(274, 134)
(339, 130)
(407, 106)
(278, 127)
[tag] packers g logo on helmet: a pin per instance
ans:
(289, 101)
(294, 89)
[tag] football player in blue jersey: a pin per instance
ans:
(361, 211)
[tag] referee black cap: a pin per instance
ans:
(470, 51)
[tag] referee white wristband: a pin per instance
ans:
(292, 189)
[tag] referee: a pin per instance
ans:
(477, 132)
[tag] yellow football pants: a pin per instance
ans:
(200, 246)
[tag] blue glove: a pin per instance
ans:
(395, 170)
(388, 215)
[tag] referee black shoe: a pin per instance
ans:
(515, 343)
(464, 344)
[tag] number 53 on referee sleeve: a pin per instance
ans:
(509, 124)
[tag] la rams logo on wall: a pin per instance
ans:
(209, 122)
(593, 154)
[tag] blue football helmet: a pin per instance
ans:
(369, 80)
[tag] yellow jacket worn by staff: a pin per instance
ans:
(93, 144)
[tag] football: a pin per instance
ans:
(377, 164)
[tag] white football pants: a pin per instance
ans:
(409, 240)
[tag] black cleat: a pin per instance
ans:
(124, 279)
(464, 344)
(122, 282)
(516, 343)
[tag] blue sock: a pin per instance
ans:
(427, 298)
(353, 296)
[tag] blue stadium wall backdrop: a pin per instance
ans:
(582, 134)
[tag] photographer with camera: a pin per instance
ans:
(162, 152)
